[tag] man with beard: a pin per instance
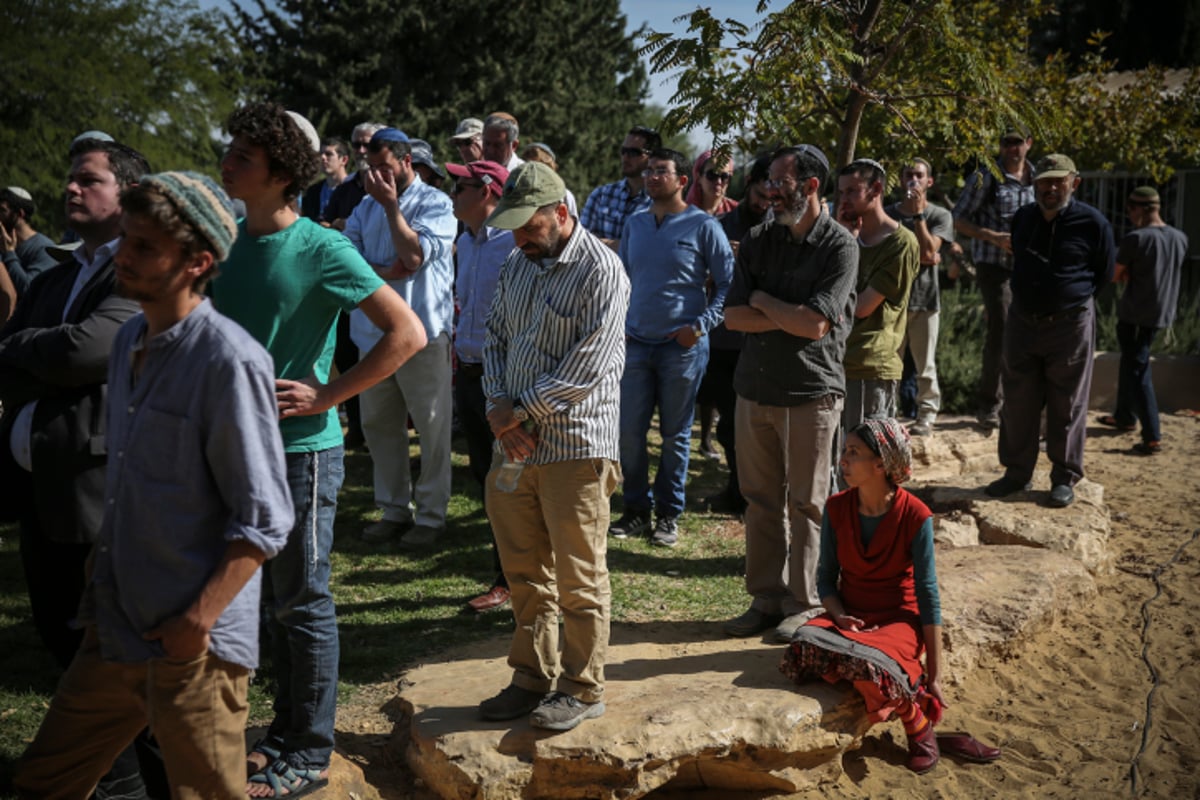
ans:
(352, 190)
(552, 362)
(197, 500)
(793, 297)
(25, 250)
(1063, 254)
(608, 206)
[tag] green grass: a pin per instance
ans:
(396, 609)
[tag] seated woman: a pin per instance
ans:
(878, 583)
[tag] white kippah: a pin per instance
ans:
(308, 129)
(19, 192)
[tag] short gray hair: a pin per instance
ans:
(504, 123)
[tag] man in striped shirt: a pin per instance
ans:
(552, 363)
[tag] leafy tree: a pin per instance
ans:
(565, 68)
(155, 74)
(884, 77)
(1165, 33)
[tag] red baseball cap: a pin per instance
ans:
(489, 173)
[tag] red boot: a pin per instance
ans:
(923, 751)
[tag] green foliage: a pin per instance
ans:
(1144, 32)
(566, 69)
(154, 74)
(896, 79)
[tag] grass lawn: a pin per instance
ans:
(394, 609)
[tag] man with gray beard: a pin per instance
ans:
(793, 297)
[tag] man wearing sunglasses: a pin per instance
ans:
(984, 213)
(608, 206)
(346, 197)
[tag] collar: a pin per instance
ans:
(103, 253)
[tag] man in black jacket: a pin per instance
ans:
(53, 366)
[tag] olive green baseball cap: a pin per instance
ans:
(528, 188)
(1055, 165)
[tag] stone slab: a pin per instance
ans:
(689, 707)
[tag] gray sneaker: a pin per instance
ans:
(920, 429)
(786, 629)
(666, 532)
(562, 712)
(385, 530)
(512, 702)
(420, 537)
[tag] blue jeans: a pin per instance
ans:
(667, 375)
(1135, 383)
(303, 622)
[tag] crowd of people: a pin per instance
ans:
(171, 376)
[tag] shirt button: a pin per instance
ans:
(131, 409)
(120, 454)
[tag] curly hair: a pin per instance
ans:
(290, 156)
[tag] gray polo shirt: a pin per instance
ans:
(819, 271)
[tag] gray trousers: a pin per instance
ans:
(1047, 364)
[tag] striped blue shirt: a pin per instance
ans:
(556, 346)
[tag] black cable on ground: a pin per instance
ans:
(1133, 765)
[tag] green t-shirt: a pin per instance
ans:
(872, 349)
(286, 289)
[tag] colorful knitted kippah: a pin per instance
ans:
(889, 440)
(202, 203)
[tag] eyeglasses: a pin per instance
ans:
(634, 152)
(771, 183)
(460, 185)
(658, 172)
(1013, 142)
(718, 177)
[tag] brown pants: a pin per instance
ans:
(553, 538)
(785, 455)
(196, 709)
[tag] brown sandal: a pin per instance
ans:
(966, 747)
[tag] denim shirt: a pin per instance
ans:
(195, 462)
(480, 257)
(430, 214)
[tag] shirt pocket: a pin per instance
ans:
(158, 448)
(556, 328)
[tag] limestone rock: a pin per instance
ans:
(689, 708)
(995, 596)
(957, 446)
(1081, 530)
(346, 782)
(955, 529)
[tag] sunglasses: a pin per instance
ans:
(633, 152)
(459, 186)
(718, 177)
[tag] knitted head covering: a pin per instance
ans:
(202, 203)
(889, 440)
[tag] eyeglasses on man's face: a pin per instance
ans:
(658, 172)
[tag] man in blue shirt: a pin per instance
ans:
(1063, 254)
(196, 500)
(405, 229)
(482, 251)
(670, 253)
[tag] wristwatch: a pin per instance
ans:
(920, 217)
(520, 414)
(696, 329)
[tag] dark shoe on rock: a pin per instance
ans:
(1147, 448)
(492, 598)
(1061, 496)
(989, 420)
(666, 532)
(966, 747)
(511, 703)
(562, 712)
(1005, 486)
(751, 623)
(385, 530)
(634, 522)
(923, 751)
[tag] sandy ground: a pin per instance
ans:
(1102, 704)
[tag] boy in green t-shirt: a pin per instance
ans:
(285, 281)
(888, 261)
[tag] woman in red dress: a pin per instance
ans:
(878, 583)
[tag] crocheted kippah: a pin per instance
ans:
(889, 440)
(202, 203)
(1144, 194)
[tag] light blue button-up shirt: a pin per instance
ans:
(430, 213)
(480, 257)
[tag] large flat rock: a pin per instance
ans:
(957, 447)
(1080, 531)
(688, 707)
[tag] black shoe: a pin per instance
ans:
(751, 623)
(1005, 486)
(726, 502)
(989, 420)
(1061, 496)
(634, 522)
(511, 703)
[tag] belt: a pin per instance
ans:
(1066, 313)
(470, 370)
